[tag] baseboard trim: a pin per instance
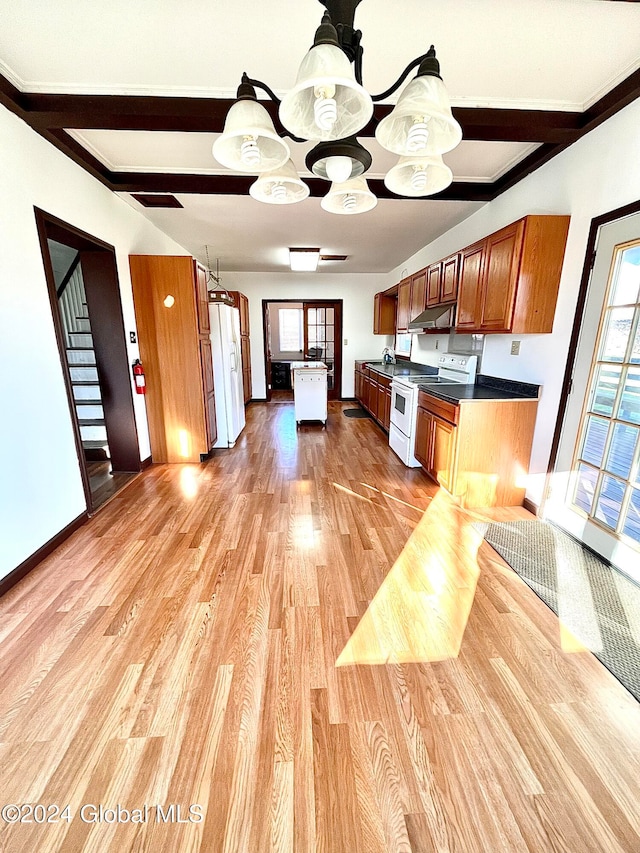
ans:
(38, 556)
(527, 504)
(146, 463)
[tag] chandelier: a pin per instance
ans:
(329, 105)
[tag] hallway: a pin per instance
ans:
(283, 638)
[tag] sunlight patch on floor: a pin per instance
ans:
(421, 610)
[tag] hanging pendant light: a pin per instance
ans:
(327, 102)
(350, 197)
(281, 186)
(418, 176)
(249, 142)
(421, 122)
(338, 161)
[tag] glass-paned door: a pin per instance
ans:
(322, 338)
(607, 482)
(596, 485)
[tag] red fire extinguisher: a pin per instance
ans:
(138, 376)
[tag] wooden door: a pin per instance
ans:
(404, 305)
(500, 276)
(202, 299)
(418, 294)
(206, 361)
(266, 319)
(434, 278)
(449, 284)
(471, 262)
(444, 435)
(322, 340)
(424, 436)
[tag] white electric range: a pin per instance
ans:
(452, 368)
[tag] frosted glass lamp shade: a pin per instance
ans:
(418, 176)
(249, 142)
(421, 122)
(281, 186)
(353, 196)
(326, 102)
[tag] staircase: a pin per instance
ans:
(81, 359)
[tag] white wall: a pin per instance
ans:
(40, 486)
(356, 291)
(599, 173)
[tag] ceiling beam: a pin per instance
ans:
(207, 115)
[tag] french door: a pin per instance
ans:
(322, 338)
(595, 491)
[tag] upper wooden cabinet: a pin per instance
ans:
(449, 281)
(418, 294)
(509, 281)
(404, 305)
(434, 281)
(175, 348)
(384, 314)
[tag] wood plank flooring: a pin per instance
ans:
(284, 643)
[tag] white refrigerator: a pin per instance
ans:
(227, 372)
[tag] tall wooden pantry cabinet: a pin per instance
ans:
(172, 316)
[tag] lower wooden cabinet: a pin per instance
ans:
(478, 450)
(373, 392)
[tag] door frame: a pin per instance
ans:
(112, 359)
(265, 338)
(589, 259)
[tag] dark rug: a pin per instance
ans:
(598, 604)
(355, 413)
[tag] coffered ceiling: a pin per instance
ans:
(137, 93)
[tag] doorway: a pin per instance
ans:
(595, 489)
(301, 331)
(85, 303)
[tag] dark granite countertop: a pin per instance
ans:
(485, 388)
(407, 368)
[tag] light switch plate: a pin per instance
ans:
(515, 347)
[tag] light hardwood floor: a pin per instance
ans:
(284, 637)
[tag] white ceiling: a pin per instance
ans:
(540, 54)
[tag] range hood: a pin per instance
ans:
(438, 317)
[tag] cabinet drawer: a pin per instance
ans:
(441, 408)
(385, 381)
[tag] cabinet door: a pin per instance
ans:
(244, 314)
(245, 350)
(357, 385)
(424, 438)
(206, 361)
(500, 276)
(449, 283)
(469, 305)
(386, 414)
(384, 314)
(404, 305)
(202, 300)
(418, 294)
(434, 278)
(444, 435)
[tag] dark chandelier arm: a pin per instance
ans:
(258, 84)
(413, 64)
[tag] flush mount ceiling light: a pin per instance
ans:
(329, 104)
(304, 260)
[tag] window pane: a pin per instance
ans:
(330, 351)
(586, 486)
(635, 352)
(320, 333)
(290, 329)
(594, 440)
(329, 333)
(330, 313)
(609, 501)
(630, 402)
(628, 279)
(311, 333)
(621, 450)
(632, 524)
(320, 315)
(616, 335)
(311, 315)
(604, 393)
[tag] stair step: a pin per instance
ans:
(81, 358)
(93, 433)
(91, 421)
(83, 373)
